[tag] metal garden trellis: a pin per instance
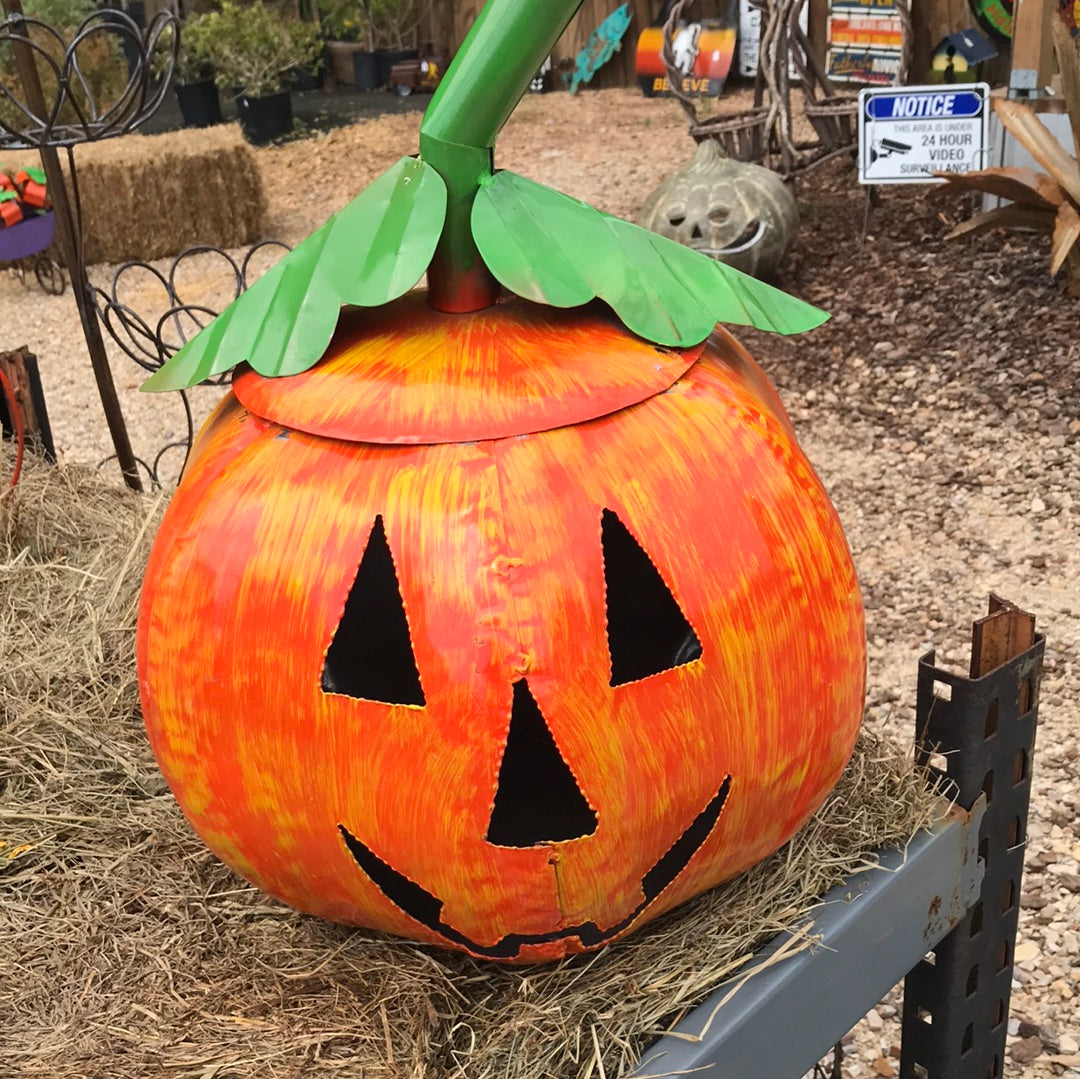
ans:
(75, 116)
(149, 340)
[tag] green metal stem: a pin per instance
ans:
(492, 70)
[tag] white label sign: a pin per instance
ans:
(908, 133)
(750, 38)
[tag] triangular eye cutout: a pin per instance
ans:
(537, 800)
(371, 655)
(647, 632)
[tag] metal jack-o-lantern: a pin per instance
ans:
(500, 627)
(740, 213)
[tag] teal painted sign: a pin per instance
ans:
(602, 44)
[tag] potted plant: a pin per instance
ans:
(254, 51)
(193, 74)
(349, 49)
(394, 25)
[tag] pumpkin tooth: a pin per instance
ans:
(678, 855)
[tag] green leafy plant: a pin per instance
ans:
(394, 23)
(254, 49)
(344, 20)
(195, 57)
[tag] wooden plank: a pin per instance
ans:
(436, 27)
(817, 25)
(13, 364)
(1002, 635)
(1068, 57)
(1032, 49)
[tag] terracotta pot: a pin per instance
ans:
(339, 56)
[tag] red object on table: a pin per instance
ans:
(10, 213)
(34, 194)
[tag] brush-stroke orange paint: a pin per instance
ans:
(497, 548)
(407, 373)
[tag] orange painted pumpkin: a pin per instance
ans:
(504, 631)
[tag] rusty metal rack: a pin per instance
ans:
(943, 912)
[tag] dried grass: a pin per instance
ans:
(148, 196)
(127, 950)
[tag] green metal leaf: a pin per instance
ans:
(553, 249)
(370, 253)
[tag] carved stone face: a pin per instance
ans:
(739, 213)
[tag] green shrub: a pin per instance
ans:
(344, 20)
(394, 23)
(195, 57)
(254, 49)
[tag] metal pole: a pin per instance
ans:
(69, 233)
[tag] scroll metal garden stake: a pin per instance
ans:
(514, 616)
(66, 113)
(149, 336)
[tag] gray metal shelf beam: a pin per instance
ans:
(873, 929)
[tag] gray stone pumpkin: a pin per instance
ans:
(739, 213)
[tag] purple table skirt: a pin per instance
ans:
(27, 237)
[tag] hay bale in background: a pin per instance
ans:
(148, 196)
(128, 950)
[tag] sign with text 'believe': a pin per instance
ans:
(906, 134)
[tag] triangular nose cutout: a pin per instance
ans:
(537, 800)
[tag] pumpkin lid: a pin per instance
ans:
(406, 373)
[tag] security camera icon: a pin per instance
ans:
(886, 148)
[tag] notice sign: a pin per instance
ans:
(907, 134)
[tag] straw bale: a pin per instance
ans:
(149, 196)
(128, 951)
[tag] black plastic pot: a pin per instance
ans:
(366, 71)
(303, 78)
(263, 119)
(385, 60)
(200, 105)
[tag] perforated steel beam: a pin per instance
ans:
(873, 929)
(956, 1008)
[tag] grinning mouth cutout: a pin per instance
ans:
(425, 908)
(751, 235)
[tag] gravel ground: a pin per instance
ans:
(940, 406)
